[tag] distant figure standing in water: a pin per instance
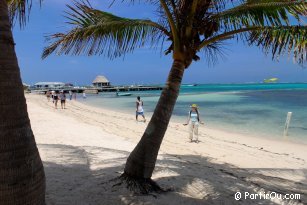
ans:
(84, 95)
(63, 99)
(139, 108)
(193, 120)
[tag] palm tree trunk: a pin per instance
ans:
(22, 178)
(141, 162)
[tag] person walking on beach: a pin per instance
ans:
(139, 108)
(84, 95)
(48, 95)
(75, 95)
(52, 95)
(63, 99)
(193, 120)
(70, 95)
(55, 99)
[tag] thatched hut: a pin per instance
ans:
(101, 81)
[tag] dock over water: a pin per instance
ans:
(99, 89)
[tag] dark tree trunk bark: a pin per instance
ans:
(22, 178)
(141, 162)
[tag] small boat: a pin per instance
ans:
(271, 80)
(123, 94)
(190, 85)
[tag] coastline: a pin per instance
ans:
(222, 118)
(92, 144)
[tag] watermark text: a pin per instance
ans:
(266, 196)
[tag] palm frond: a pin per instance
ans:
(225, 36)
(213, 52)
(96, 32)
(217, 6)
(19, 10)
(261, 13)
(281, 40)
(277, 40)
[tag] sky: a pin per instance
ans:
(240, 64)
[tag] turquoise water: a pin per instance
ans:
(254, 109)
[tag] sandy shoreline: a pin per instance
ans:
(84, 147)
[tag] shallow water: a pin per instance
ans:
(254, 109)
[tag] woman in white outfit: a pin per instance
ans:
(193, 121)
(139, 109)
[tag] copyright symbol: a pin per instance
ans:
(238, 196)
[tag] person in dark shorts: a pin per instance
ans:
(48, 94)
(63, 99)
(55, 100)
(52, 95)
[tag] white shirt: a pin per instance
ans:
(140, 106)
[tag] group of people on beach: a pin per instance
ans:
(60, 95)
(193, 118)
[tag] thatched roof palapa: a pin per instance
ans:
(101, 79)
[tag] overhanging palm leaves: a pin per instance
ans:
(261, 12)
(280, 40)
(96, 32)
(20, 9)
(191, 26)
(264, 19)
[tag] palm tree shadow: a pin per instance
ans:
(217, 183)
(79, 175)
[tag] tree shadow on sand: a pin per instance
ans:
(83, 176)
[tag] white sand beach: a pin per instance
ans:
(83, 148)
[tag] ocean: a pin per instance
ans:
(258, 110)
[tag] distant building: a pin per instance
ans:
(69, 85)
(48, 85)
(101, 81)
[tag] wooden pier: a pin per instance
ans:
(96, 90)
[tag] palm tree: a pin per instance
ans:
(22, 178)
(191, 26)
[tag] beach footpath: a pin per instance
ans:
(84, 148)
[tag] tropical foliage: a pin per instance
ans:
(19, 10)
(197, 25)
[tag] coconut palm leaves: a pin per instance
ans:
(96, 32)
(264, 23)
(19, 10)
(280, 40)
(190, 25)
(261, 12)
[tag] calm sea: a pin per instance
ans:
(254, 109)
